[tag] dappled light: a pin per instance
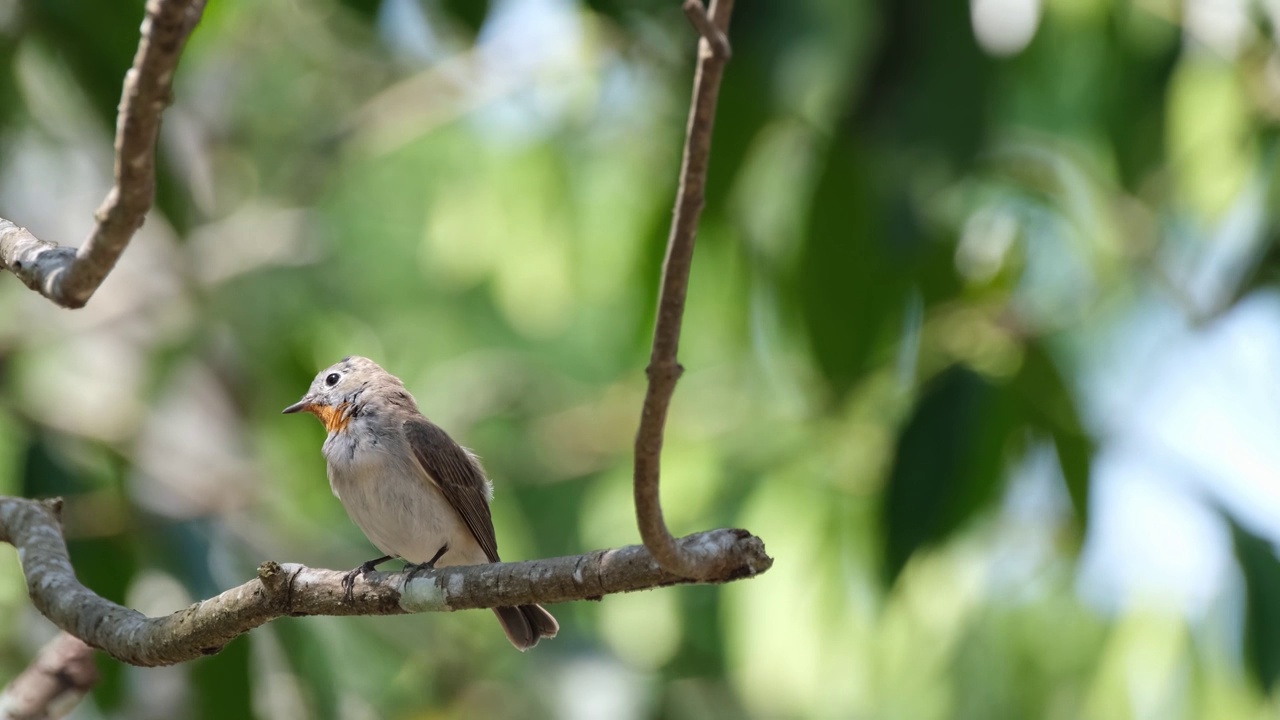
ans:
(982, 339)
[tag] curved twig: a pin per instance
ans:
(280, 590)
(664, 370)
(67, 276)
(59, 677)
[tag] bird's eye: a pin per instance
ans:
(332, 379)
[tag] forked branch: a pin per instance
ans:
(68, 276)
(697, 15)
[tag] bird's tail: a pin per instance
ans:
(527, 624)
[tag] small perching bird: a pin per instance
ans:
(415, 493)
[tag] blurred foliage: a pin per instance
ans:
(928, 226)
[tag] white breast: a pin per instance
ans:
(390, 498)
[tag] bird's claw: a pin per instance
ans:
(349, 580)
(349, 583)
(428, 565)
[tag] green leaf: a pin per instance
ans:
(43, 472)
(106, 565)
(949, 463)
(744, 108)
(1050, 407)
(630, 10)
(1261, 568)
(12, 110)
(851, 285)
(364, 9)
(471, 13)
(1075, 456)
(926, 71)
(97, 42)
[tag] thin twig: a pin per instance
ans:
(698, 16)
(282, 590)
(664, 370)
(69, 277)
(59, 677)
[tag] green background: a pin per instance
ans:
(920, 237)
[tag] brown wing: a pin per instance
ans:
(458, 476)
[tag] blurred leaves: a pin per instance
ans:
(1261, 568)
(954, 453)
(96, 41)
(923, 66)
(309, 658)
(366, 9)
(850, 283)
(9, 111)
(949, 463)
(223, 684)
(918, 263)
(1050, 407)
(471, 13)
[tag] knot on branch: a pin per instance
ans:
(274, 578)
(54, 507)
(664, 372)
(734, 554)
(718, 556)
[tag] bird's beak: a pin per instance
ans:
(304, 404)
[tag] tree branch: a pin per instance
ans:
(664, 370)
(56, 681)
(280, 590)
(697, 15)
(69, 277)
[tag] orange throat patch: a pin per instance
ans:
(334, 418)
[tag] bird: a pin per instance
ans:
(415, 493)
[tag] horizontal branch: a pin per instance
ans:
(290, 590)
(68, 276)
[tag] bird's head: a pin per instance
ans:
(340, 388)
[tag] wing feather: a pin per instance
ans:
(458, 475)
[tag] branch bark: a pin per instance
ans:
(290, 590)
(67, 276)
(664, 370)
(56, 681)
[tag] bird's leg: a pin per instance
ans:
(349, 580)
(428, 565)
